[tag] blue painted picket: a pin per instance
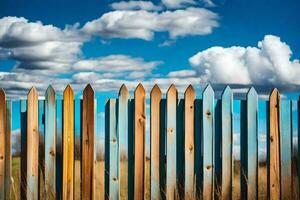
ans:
(249, 146)
(191, 145)
(208, 143)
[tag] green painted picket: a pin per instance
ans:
(191, 145)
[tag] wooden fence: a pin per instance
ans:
(191, 146)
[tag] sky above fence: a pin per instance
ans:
(107, 43)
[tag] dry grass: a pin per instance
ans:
(99, 174)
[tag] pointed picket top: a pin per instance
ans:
(88, 90)
(50, 91)
(139, 89)
(208, 90)
(172, 90)
(2, 93)
(227, 92)
(274, 93)
(123, 92)
(68, 90)
(32, 92)
(189, 91)
(155, 91)
(251, 92)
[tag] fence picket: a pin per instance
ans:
(2, 142)
(189, 98)
(249, 146)
(111, 152)
(171, 164)
(208, 143)
(88, 132)
(68, 144)
(50, 143)
(286, 149)
(139, 141)
(273, 146)
(122, 132)
(155, 141)
(32, 145)
(8, 154)
(227, 146)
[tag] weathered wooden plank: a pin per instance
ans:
(8, 154)
(139, 141)
(88, 134)
(50, 143)
(273, 146)
(112, 158)
(68, 144)
(122, 132)
(2, 142)
(32, 145)
(208, 143)
(155, 141)
(189, 98)
(249, 146)
(171, 176)
(23, 122)
(227, 146)
(286, 149)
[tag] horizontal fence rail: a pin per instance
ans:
(191, 146)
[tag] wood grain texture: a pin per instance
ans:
(286, 149)
(189, 155)
(155, 99)
(68, 144)
(8, 153)
(171, 164)
(273, 146)
(2, 142)
(122, 132)
(227, 146)
(32, 145)
(88, 134)
(50, 143)
(111, 152)
(139, 141)
(208, 143)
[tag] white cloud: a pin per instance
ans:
(135, 5)
(143, 24)
(117, 64)
(268, 64)
(182, 73)
(39, 47)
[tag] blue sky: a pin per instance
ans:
(242, 43)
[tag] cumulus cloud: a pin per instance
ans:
(135, 5)
(143, 24)
(39, 47)
(269, 63)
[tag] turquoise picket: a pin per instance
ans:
(122, 134)
(171, 164)
(50, 143)
(286, 149)
(249, 146)
(208, 143)
(227, 143)
(111, 153)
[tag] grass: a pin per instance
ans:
(99, 174)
